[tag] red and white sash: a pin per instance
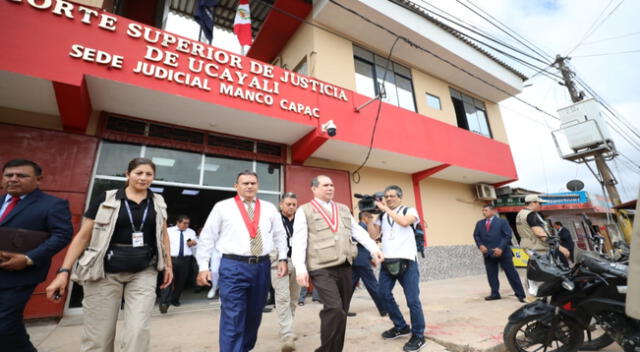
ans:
(331, 221)
(252, 225)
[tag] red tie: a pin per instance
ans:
(487, 224)
(12, 204)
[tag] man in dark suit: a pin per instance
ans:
(24, 206)
(493, 238)
(565, 237)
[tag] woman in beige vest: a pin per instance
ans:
(121, 246)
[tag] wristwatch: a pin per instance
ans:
(63, 270)
(29, 261)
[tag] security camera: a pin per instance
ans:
(330, 128)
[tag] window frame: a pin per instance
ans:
(459, 100)
(427, 94)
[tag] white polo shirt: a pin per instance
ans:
(398, 241)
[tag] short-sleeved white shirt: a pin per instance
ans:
(398, 241)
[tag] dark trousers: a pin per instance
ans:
(506, 262)
(13, 335)
(243, 294)
(181, 270)
(410, 282)
(335, 289)
(369, 279)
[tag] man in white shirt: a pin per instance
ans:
(323, 250)
(245, 230)
(182, 240)
(395, 225)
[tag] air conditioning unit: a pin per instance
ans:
(485, 192)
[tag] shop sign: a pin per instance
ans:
(164, 59)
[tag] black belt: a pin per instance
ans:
(183, 257)
(251, 259)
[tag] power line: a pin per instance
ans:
(595, 26)
(611, 38)
(508, 31)
(607, 54)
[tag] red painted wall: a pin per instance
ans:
(37, 43)
(67, 160)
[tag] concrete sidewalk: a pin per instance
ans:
(458, 319)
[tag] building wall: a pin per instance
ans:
(450, 210)
(31, 119)
(330, 58)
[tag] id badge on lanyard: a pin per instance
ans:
(137, 237)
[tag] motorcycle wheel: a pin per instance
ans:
(599, 338)
(530, 334)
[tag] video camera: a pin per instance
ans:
(367, 203)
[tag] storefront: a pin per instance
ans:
(82, 91)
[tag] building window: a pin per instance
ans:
(434, 102)
(370, 68)
(301, 67)
(470, 113)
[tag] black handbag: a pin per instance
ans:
(128, 259)
(395, 267)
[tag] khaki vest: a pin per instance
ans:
(90, 264)
(326, 248)
(528, 239)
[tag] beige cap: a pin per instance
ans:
(533, 198)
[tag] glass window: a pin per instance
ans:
(301, 68)
(434, 102)
(272, 198)
(370, 69)
(114, 158)
(364, 79)
(470, 113)
(175, 165)
(222, 172)
(269, 175)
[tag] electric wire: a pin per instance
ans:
(622, 184)
(611, 38)
(461, 23)
(510, 32)
(454, 65)
(355, 176)
(607, 54)
(595, 26)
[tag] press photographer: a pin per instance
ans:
(395, 225)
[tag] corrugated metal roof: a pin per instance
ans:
(418, 10)
(225, 12)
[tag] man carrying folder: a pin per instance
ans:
(24, 260)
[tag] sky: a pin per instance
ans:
(556, 27)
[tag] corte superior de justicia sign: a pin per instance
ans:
(204, 63)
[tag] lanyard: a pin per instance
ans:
(144, 215)
(333, 221)
(252, 225)
(286, 228)
(390, 221)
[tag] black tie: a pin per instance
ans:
(181, 251)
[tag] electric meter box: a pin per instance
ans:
(584, 124)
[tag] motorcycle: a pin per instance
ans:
(570, 300)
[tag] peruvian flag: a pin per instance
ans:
(242, 23)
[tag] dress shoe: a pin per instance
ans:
(383, 314)
(176, 304)
(266, 310)
(491, 298)
(301, 304)
(163, 308)
(351, 314)
(521, 300)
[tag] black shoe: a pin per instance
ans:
(383, 314)
(491, 298)
(351, 314)
(266, 310)
(394, 332)
(176, 304)
(316, 300)
(521, 300)
(416, 343)
(163, 308)
(301, 304)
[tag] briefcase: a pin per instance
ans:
(20, 240)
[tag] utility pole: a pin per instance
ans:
(606, 178)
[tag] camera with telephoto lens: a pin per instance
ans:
(367, 203)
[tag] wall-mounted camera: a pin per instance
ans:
(330, 128)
